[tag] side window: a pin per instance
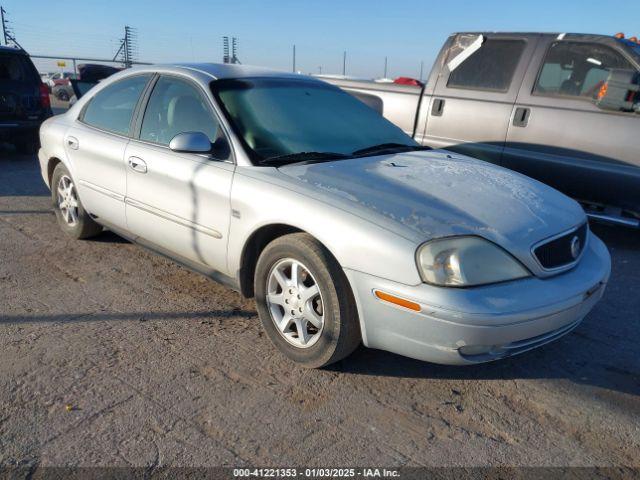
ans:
(577, 69)
(490, 68)
(176, 106)
(112, 108)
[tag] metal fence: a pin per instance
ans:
(76, 60)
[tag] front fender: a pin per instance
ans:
(356, 243)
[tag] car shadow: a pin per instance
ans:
(577, 358)
(107, 236)
(123, 316)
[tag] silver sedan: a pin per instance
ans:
(344, 229)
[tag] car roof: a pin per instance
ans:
(558, 35)
(16, 50)
(226, 70)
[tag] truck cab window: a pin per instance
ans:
(577, 69)
(490, 68)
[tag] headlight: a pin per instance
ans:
(466, 261)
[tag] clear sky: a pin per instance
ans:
(407, 32)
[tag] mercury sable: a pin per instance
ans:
(343, 228)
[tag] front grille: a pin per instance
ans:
(563, 250)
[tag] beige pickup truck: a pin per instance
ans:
(561, 108)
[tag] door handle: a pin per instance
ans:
(73, 143)
(438, 107)
(137, 164)
(521, 117)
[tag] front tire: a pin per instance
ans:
(71, 215)
(305, 302)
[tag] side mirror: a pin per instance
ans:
(192, 142)
(620, 92)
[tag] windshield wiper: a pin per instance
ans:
(303, 157)
(389, 147)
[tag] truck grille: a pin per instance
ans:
(563, 250)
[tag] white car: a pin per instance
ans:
(343, 228)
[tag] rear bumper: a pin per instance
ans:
(474, 325)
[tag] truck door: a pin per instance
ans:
(559, 135)
(471, 107)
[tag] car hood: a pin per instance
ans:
(436, 193)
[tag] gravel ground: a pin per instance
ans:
(110, 355)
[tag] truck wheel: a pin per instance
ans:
(305, 302)
(71, 215)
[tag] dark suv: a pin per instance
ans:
(24, 100)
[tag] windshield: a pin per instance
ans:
(284, 117)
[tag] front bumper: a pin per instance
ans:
(460, 326)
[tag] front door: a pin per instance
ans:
(567, 141)
(470, 109)
(179, 202)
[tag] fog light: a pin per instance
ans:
(472, 350)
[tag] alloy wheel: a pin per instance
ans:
(295, 303)
(68, 200)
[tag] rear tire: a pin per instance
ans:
(310, 316)
(71, 215)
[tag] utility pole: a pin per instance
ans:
(385, 67)
(421, 66)
(225, 50)
(320, 69)
(234, 47)
(230, 57)
(6, 30)
(294, 59)
(4, 25)
(128, 47)
(344, 63)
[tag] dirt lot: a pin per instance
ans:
(113, 356)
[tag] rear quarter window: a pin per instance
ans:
(490, 68)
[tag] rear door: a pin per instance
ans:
(566, 140)
(96, 144)
(179, 203)
(471, 107)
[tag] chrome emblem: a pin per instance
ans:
(576, 246)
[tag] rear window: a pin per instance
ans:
(17, 68)
(490, 68)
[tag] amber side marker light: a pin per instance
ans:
(401, 302)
